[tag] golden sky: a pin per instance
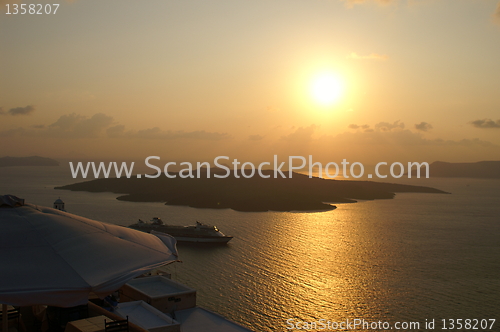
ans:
(415, 80)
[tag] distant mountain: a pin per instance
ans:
(299, 193)
(481, 169)
(27, 161)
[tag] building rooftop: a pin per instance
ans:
(199, 319)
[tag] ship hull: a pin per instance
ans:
(203, 239)
(179, 233)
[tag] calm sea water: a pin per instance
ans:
(416, 257)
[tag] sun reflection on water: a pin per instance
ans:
(311, 279)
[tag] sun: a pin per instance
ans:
(326, 89)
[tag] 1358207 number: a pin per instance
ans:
(468, 324)
(23, 8)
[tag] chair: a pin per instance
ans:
(12, 315)
(117, 325)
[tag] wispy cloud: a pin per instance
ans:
(157, 133)
(496, 14)
(386, 126)
(79, 126)
(301, 134)
(255, 137)
(18, 110)
(372, 56)
(76, 126)
(119, 131)
(486, 124)
(403, 137)
(365, 127)
(12, 132)
(423, 126)
(351, 3)
(116, 131)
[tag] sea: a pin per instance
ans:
(431, 259)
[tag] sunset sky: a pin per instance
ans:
(415, 80)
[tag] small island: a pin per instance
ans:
(256, 194)
(27, 161)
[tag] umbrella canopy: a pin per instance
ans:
(56, 258)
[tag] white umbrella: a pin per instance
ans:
(56, 258)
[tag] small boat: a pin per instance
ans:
(194, 233)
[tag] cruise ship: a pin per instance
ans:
(194, 233)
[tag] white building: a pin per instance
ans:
(59, 204)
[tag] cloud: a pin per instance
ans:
(386, 126)
(79, 126)
(355, 126)
(68, 121)
(76, 126)
(372, 56)
(471, 142)
(423, 126)
(402, 138)
(159, 134)
(496, 14)
(486, 124)
(68, 126)
(19, 110)
(255, 137)
(116, 131)
(395, 134)
(351, 3)
(12, 132)
(301, 134)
